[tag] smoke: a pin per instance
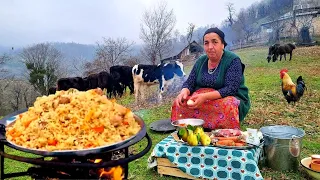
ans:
(175, 87)
(230, 36)
(172, 91)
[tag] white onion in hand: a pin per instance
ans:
(190, 102)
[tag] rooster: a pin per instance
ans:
(292, 92)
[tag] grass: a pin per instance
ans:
(268, 107)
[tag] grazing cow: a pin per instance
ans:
(107, 81)
(125, 79)
(116, 84)
(277, 49)
(85, 83)
(162, 74)
(92, 81)
(73, 82)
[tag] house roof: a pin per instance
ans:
(176, 53)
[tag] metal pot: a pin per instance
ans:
(282, 147)
(82, 152)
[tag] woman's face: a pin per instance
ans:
(213, 46)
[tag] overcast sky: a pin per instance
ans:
(24, 22)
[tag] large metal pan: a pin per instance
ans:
(82, 152)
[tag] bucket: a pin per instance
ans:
(282, 147)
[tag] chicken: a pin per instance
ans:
(292, 92)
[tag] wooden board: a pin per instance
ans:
(165, 167)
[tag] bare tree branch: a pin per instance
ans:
(3, 59)
(156, 29)
(190, 30)
(16, 99)
(44, 66)
(231, 11)
(4, 84)
(176, 35)
(200, 38)
(79, 64)
(109, 53)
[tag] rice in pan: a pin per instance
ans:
(73, 120)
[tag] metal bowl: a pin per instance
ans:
(306, 166)
(185, 122)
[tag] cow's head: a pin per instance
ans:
(178, 69)
(272, 52)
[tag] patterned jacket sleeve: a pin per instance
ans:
(232, 79)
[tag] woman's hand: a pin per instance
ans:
(198, 100)
(181, 98)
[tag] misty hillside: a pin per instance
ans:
(244, 28)
(74, 50)
(70, 51)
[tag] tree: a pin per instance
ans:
(176, 35)
(132, 60)
(28, 95)
(16, 99)
(183, 39)
(190, 30)
(243, 27)
(200, 37)
(43, 63)
(108, 53)
(156, 29)
(21, 93)
(111, 51)
(94, 67)
(79, 65)
(4, 84)
(3, 59)
(262, 10)
(231, 11)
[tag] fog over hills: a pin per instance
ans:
(70, 51)
(73, 50)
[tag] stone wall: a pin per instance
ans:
(316, 26)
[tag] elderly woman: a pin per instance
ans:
(215, 89)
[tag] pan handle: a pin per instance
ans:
(2, 133)
(81, 165)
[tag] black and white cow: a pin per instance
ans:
(162, 74)
(125, 79)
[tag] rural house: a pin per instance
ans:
(305, 13)
(193, 50)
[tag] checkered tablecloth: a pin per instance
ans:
(207, 161)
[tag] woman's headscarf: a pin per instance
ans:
(217, 31)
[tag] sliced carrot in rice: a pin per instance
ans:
(98, 129)
(52, 142)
